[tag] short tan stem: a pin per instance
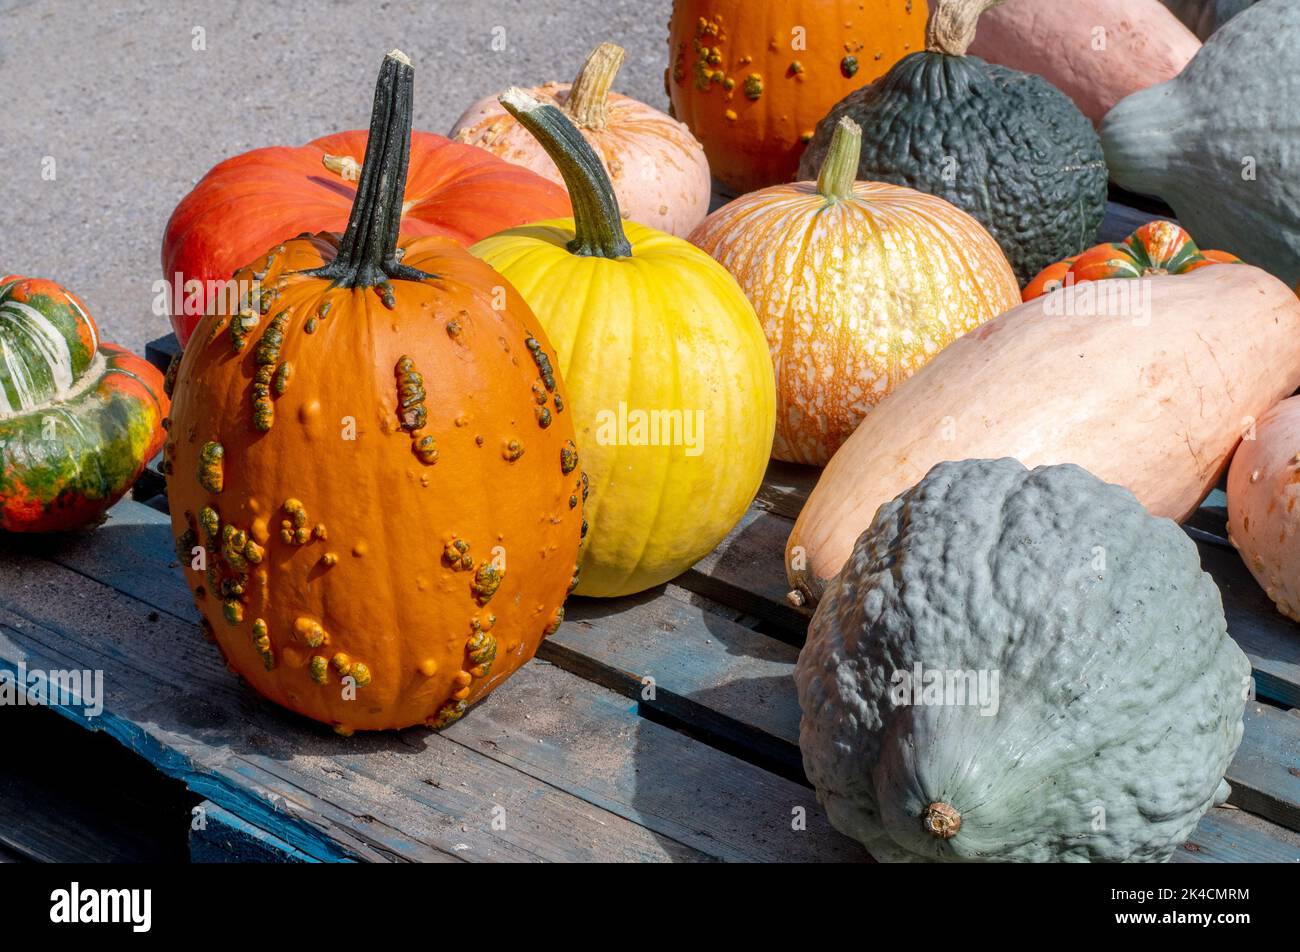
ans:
(951, 27)
(588, 100)
(941, 821)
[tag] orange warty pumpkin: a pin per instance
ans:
(252, 201)
(372, 472)
(857, 285)
(752, 80)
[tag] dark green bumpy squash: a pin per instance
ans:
(1007, 147)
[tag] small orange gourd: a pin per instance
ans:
(372, 474)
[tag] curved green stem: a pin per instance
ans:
(597, 222)
(368, 252)
(840, 167)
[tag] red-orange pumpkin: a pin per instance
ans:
(1158, 247)
(253, 201)
(375, 463)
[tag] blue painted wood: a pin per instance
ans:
(219, 836)
(1265, 774)
(1225, 836)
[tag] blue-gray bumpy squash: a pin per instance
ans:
(1220, 142)
(1119, 695)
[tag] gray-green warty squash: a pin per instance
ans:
(1103, 697)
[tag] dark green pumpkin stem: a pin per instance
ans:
(368, 252)
(597, 222)
(840, 167)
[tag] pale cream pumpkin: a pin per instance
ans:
(658, 169)
(857, 285)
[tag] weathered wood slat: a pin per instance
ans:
(1271, 640)
(1265, 774)
(730, 683)
(1231, 836)
(726, 680)
(593, 744)
(720, 674)
(746, 572)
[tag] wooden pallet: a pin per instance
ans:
(573, 758)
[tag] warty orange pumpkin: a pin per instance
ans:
(657, 167)
(752, 80)
(857, 284)
(373, 479)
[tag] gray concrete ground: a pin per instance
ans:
(114, 98)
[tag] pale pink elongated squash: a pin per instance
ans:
(1094, 51)
(1264, 505)
(1150, 388)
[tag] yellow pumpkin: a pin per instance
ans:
(667, 368)
(857, 285)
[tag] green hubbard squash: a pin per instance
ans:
(1221, 141)
(1020, 665)
(1008, 148)
(1146, 382)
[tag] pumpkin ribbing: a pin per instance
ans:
(656, 167)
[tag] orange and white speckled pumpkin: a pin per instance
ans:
(857, 284)
(659, 171)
